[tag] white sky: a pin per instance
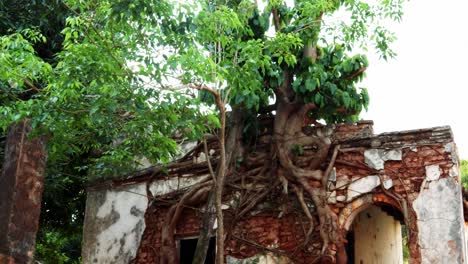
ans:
(426, 85)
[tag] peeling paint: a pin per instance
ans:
(341, 198)
(388, 183)
(332, 197)
(332, 176)
(114, 236)
(342, 182)
(373, 159)
(362, 186)
(392, 154)
(376, 158)
(432, 172)
(454, 171)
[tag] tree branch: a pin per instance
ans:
(276, 20)
(356, 73)
(31, 85)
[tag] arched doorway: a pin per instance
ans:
(376, 235)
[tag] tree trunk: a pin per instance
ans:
(213, 211)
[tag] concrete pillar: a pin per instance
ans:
(21, 186)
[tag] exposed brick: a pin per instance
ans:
(419, 148)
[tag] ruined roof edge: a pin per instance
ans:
(405, 138)
(396, 139)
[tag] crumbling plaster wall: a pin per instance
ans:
(115, 219)
(418, 168)
(427, 177)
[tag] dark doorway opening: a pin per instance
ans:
(188, 247)
(350, 246)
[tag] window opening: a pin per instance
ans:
(188, 247)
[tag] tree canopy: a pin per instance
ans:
(127, 80)
(117, 86)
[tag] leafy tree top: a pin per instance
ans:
(122, 86)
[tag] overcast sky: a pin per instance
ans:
(425, 86)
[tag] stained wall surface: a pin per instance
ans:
(114, 223)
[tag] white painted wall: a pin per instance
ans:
(378, 238)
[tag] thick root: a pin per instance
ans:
(328, 219)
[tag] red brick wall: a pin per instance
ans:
(248, 237)
(285, 235)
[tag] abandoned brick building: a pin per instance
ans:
(380, 185)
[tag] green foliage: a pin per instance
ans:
(45, 16)
(107, 91)
(464, 173)
(52, 246)
(20, 65)
(330, 84)
(111, 82)
(95, 102)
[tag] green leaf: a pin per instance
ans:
(346, 99)
(296, 84)
(318, 99)
(310, 85)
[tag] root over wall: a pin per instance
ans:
(415, 172)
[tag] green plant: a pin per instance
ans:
(464, 173)
(52, 247)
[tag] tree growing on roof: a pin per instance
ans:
(132, 74)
